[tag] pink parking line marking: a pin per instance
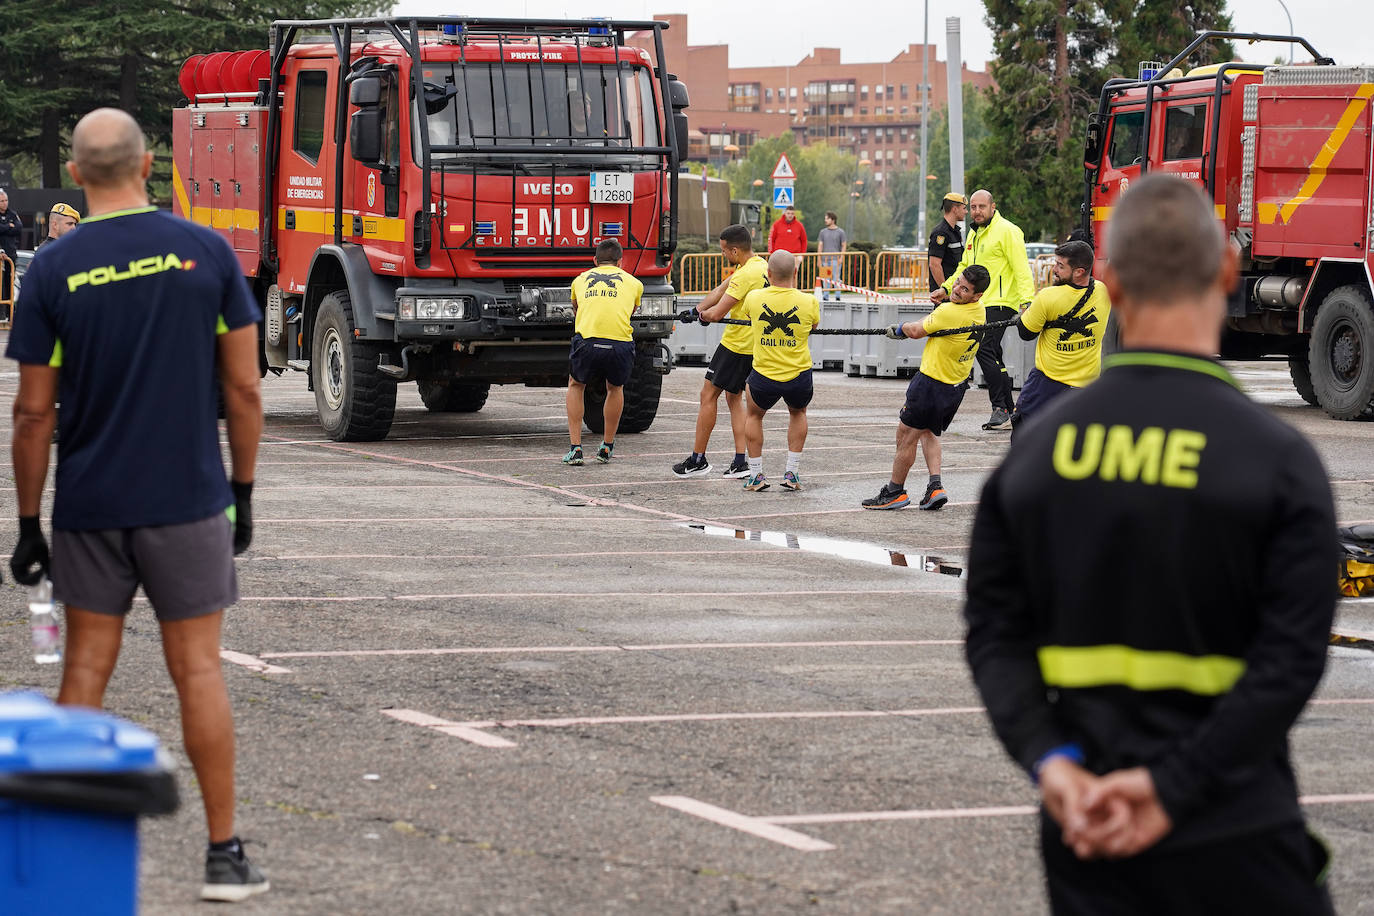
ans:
(646, 594)
(251, 662)
(420, 520)
(920, 814)
(662, 647)
(452, 729)
(573, 722)
(733, 553)
(742, 822)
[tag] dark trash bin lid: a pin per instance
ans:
(80, 758)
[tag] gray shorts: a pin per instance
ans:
(185, 570)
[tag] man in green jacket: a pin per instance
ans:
(997, 244)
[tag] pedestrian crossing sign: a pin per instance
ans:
(784, 168)
(783, 198)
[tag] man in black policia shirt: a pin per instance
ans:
(1150, 599)
(133, 321)
(945, 246)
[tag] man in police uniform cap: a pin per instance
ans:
(1150, 598)
(63, 218)
(946, 244)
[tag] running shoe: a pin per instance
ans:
(935, 498)
(1000, 419)
(574, 455)
(888, 498)
(603, 454)
(230, 877)
(692, 467)
(790, 481)
(738, 468)
(756, 482)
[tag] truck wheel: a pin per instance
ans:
(1341, 353)
(355, 402)
(1301, 372)
(454, 397)
(641, 395)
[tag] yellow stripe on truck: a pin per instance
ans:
(321, 222)
(1316, 174)
(180, 187)
(1138, 669)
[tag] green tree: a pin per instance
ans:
(61, 58)
(1052, 58)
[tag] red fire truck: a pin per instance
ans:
(1284, 153)
(412, 197)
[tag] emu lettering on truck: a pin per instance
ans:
(1285, 154)
(413, 197)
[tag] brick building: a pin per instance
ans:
(870, 109)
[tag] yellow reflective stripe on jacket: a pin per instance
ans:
(55, 361)
(1122, 666)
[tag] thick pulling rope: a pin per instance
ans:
(691, 316)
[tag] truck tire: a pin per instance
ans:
(1300, 370)
(641, 395)
(454, 397)
(355, 402)
(1341, 353)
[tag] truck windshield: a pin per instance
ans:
(514, 107)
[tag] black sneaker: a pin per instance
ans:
(935, 498)
(1000, 419)
(230, 877)
(888, 498)
(737, 469)
(692, 467)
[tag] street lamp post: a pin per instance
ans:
(925, 111)
(854, 192)
(1290, 29)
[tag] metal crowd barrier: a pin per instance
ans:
(8, 269)
(702, 273)
(902, 271)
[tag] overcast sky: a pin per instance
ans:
(877, 30)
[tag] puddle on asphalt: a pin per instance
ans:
(834, 547)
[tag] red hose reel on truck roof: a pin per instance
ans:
(223, 72)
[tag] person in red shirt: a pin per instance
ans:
(788, 233)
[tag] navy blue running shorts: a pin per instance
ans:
(795, 393)
(729, 370)
(931, 404)
(1038, 391)
(612, 360)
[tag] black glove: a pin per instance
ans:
(29, 562)
(895, 332)
(243, 515)
(688, 316)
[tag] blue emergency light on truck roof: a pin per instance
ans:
(599, 29)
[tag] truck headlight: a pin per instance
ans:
(656, 306)
(432, 308)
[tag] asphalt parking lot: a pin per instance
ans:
(468, 679)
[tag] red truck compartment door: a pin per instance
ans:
(1312, 171)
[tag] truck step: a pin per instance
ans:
(300, 365)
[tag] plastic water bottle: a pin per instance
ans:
(47, 638)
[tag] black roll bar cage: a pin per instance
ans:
(1162, 81)
(406, 31)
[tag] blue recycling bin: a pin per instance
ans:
(73, 783)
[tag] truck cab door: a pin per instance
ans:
(1186, 124)
(305, 180)
(1121, 159)
(379, 193)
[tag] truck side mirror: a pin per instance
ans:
(682, 134)
(1092, 151)
(365, 136)
(365, 92)
(677, 94)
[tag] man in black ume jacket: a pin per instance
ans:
(1150, 597)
